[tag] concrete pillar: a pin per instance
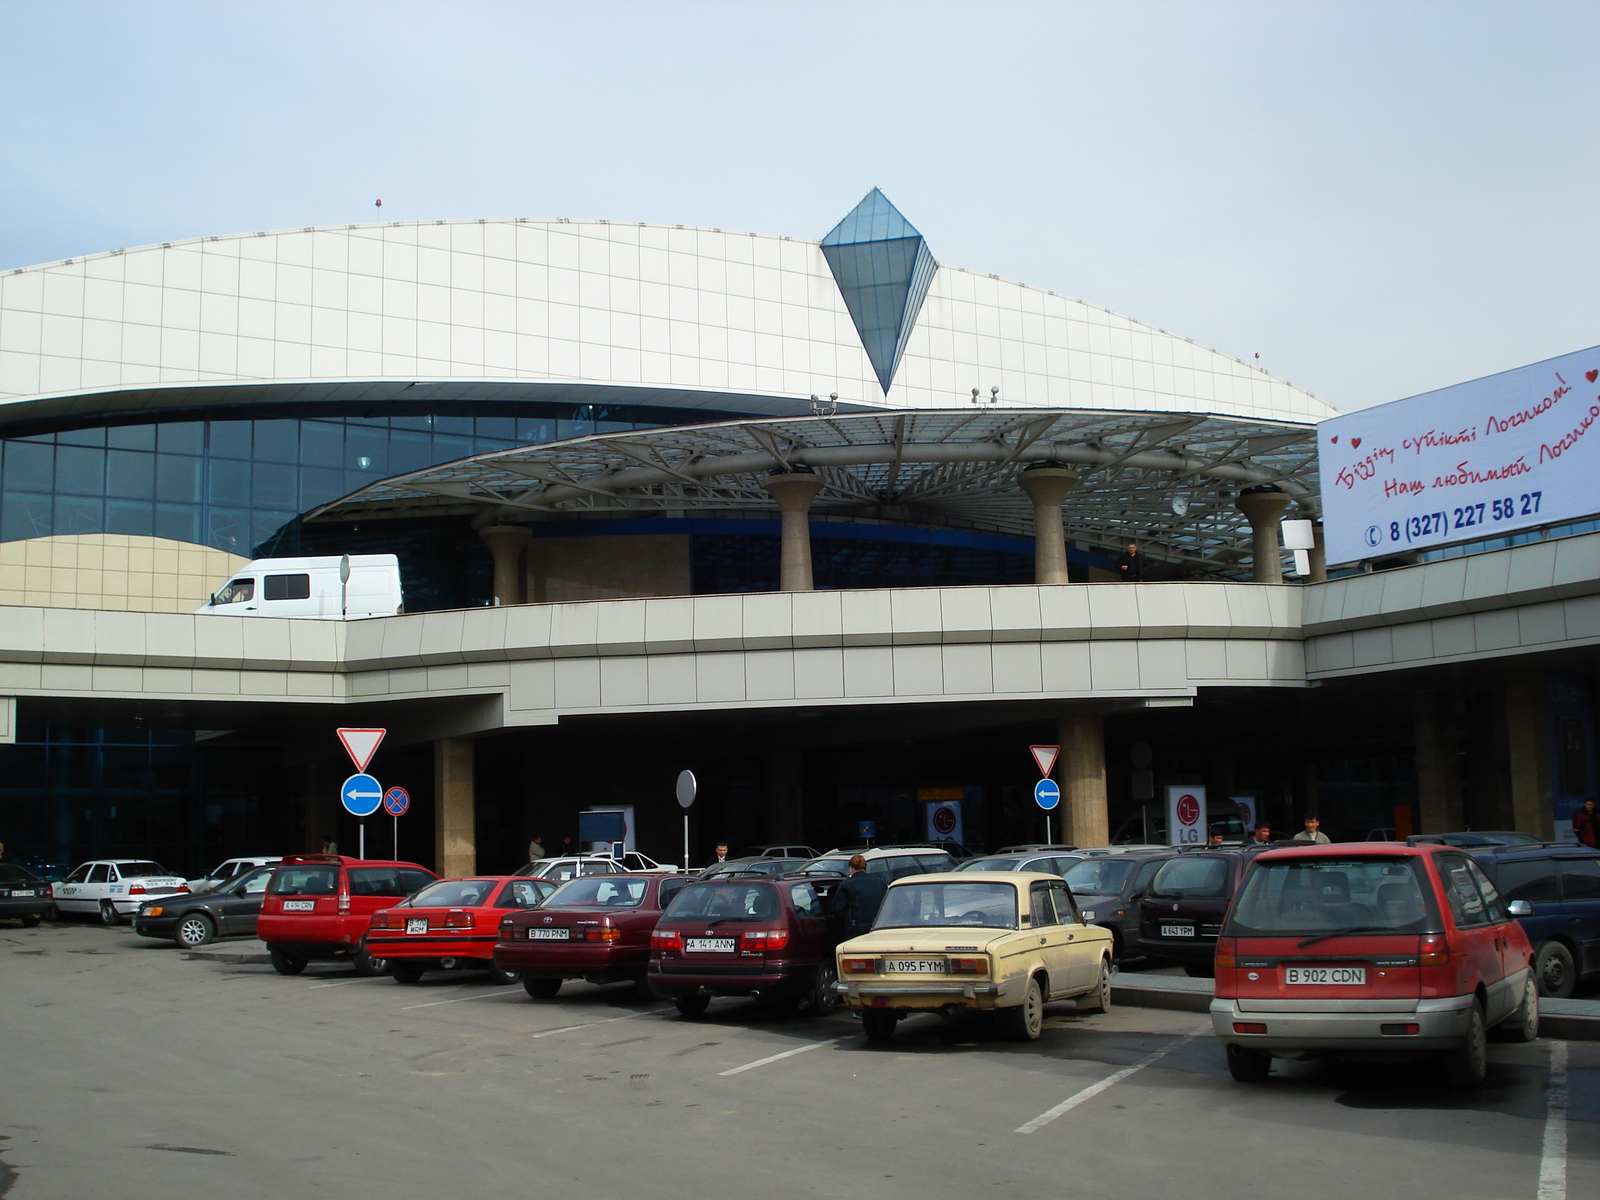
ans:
(785, 804)
(794, 492)
(455, 850)
(322, 780)
(1081, 772)
(506, 543)
(1319, 556)
(1264, 510)
(1529, 742)
(1439, 807)
(1047, 487)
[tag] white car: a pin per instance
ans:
(634, 861)
(227, 870)
(114, 887)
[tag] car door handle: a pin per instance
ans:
(1070, 936)
(1042, 941)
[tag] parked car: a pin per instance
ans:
(1000, 942)
(1371, 948)
(768, 940)
(197, 918)
(23, 895)
(318, 906)
(1562, 883)
(228, 869)
(633, 860)
(1181, 913)
(452, 923)
(894, 861)
(114, 887)
(1475, 837)
(788, 850)
(559, 870)
(1051, 863)
(753, 866)
(1107, 889)
(1036, 848)
(595, 928)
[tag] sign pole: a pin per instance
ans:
(363, 839)
(397, 837)
(686, 789)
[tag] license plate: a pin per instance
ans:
(708, 945)
(416, 924)
(909, 966)
(1347, 976)
(20, 895)
(549, 935)
(1177, 931)
(299, 906)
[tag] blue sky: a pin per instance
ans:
(1379, 198)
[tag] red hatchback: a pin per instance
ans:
(452, 923)
(1371, 949)
(318, 906)
(766, 939)
(595, 927)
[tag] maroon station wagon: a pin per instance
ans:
(594, 927)
(769, 940)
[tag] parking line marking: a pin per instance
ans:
(1110, 1081)
(588, 1024)
(1553, 1157)
(461, 999)
(772, 1058)
(341, 983)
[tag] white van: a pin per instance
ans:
(357, 585)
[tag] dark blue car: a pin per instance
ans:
(1562, 882)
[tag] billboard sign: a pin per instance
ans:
(1186, 816)
(1478, 460)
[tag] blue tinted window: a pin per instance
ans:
(277, 441)
(79, 514)
(322, 444)
(230, 483)
(230, 439)
(131, 437)
(29, 467)
(25, 516)
(80, 471)
(130, 474)
(177, 478)
(186, 437)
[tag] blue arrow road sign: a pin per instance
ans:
(1047, 793)
(395, 801)
(361, 795)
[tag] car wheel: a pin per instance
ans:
(541, 989)
(1200, 970)
(1026, 1021)
(644, 989)
(692, 1006)
(820, 999)
(1468, 1064)
(287, 964)
(365, 964)
(1248, 1066)
(108, 913)
(878, 1023)
(30, 921)
(1554, 971)
(496, 975)
(407, 972)
(1098, 1000)
(194, 931)
(1523, 1024)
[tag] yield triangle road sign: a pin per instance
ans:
(361, 744)
(1045, 756)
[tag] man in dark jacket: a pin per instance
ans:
(1586, 825)
(1130, 567)
(856, 900)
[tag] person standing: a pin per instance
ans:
(536, 848)
(1586, 825)
(1262, 836)
(856, 900)
(1313, 833)
(329, 846)
(1130, 567)
(721, 856)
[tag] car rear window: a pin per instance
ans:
(1290, 897)
(1186, 877)
(310, 880)
(524, 893)
(1099, 876)
(386, 881)
(11, 874)
(600, 891)
(908, 905)
(730, 901)
(452, 893)
(993, 863)
(141, 870)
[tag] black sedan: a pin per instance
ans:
(192, 920)
(23, 895)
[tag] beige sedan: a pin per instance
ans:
(975, 941)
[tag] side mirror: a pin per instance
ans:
(1520, 908)
(241, 891)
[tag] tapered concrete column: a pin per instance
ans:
(1264, 510)
(794, 492)
(323, 779)
(1081, 772)
(785, 806)
(1319, 555)
(455, 848)
(1047, 487)
(506, 543)
(1438, 763)
(1529, 743)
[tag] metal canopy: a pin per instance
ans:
(951, 468)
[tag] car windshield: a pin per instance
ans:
(912, 904)
(994, 863)
(309, 880)
(741, 901)
(600, 891)
(141, 870)
(13, 874)
(454, 893)
(1099, 876)
(1191, 877)
(525, 893)
(1289, 896)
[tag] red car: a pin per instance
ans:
(450, 924)
(595, 927)
(1371, 948)
(318, 906)
(766, 939)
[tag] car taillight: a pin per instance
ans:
(344, 902)
(859, 966)
(969, 966)
(137, 889)
(388, 921)
(604, 934)
(666, 939)
(1434, 951)
(183, 889)
(764, 939)
(1226, 948)
(1249, 1026)
(456, 921)
(508, 930)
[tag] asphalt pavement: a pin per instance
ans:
(128, 1070)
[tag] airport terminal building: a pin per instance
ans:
(837, 526)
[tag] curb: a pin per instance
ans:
(245, 954)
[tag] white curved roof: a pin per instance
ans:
(688, 314)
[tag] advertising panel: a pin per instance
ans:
(1478, 460)
(1186, 816)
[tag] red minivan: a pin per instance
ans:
(318, 906)
(1371, 949)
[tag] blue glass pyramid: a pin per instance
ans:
(883, 268)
